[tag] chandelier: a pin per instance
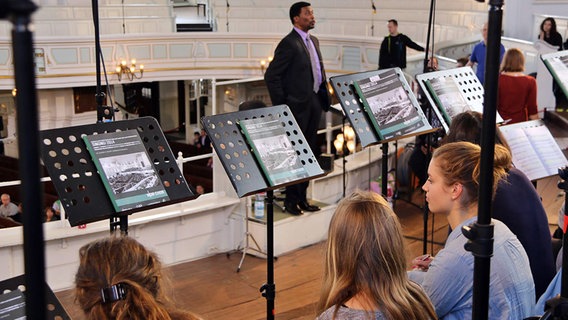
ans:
(345, 141)
(264, 64)
(129, 71)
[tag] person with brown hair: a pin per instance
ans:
(517, 91)
(365, 265)
(118, 278)
(452, 189)
(516, 203)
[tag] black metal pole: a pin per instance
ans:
(269, 288)
(425, 211)
(480, 234)
(564, 185)
(99, 95)
(28, 146)
(385, 169)
(430, 26)
(344, 160)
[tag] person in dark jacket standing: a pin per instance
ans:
(296, 77)
(393, 48)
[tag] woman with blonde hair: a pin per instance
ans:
(365, 265)
(120, 279)
(452, 189)
(517, 91)
(516, 203)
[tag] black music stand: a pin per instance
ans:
(79, 186)
(557, 64)
(244, 172)
(359, 119)
(472, 92)
(16, 287)
(467, 83)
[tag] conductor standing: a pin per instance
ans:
(296, 77)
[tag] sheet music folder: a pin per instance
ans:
(237, 154)
(557, 65)
(465, 80)
(80, 187)
(359, 115)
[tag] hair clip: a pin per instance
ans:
(113, 293)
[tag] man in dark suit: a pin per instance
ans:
(296, 77)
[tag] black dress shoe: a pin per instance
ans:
(292, 209)
(304, 205)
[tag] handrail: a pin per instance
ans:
(180, 160)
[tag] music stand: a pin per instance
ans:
(75, 177)
(246, 176)
(53, 309)
(557, 65)
(472, 92)
(466, 81)
(359, 118)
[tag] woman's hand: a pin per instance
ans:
(422, 262)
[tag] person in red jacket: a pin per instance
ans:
(517, 91)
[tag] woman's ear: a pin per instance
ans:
(456, 190)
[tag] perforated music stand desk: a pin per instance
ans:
(355, 110)
(248, 178)
(54, 309)
(236, 156)
(467, 82)
(557, 65)
(79, 186)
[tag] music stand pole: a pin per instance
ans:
(480, 233)
(19, 13)
(385, 169)
(425, 211)
(269, 288)
(430, 27)
(563, 173)
(344, 160)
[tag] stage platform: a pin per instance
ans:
(292, 232)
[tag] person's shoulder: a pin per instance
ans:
(480, 44)
(347, 313)
(292, 35)
(530, 80)
(517, 175)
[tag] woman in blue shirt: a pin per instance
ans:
(452, 189)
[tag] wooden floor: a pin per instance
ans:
(212, 288)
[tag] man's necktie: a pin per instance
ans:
(314, 63)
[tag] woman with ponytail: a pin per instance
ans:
(119, 279)
(365, 265)
(452, 189)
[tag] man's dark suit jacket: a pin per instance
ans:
(289, 76)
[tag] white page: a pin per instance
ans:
(524, 156)
(547, 149)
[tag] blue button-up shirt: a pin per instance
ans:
(449, 280)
